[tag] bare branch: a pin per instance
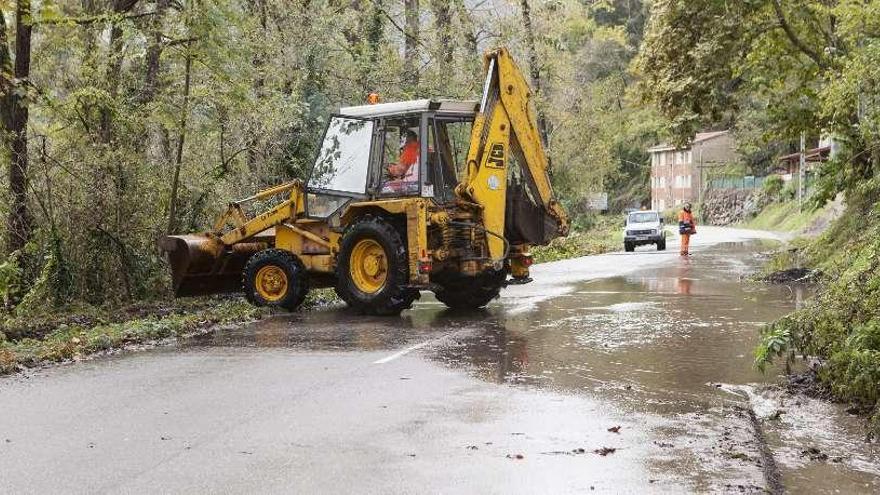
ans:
(793, 37)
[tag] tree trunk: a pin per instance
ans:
(411, 43)
(154, 53)
(15, 122)
(468, 27)
(7, 84)
(258, 9)
(534, 69)
(443, 25)
(114, 68)
(178, 159)
(375, 29)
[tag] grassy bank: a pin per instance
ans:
(594, 234)
(785, 216)
(841, 325)
(74, 333)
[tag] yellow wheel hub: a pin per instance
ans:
(368, 266)
(271, 283)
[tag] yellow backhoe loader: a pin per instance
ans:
(436, 195)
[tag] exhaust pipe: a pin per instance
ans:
(202, 265)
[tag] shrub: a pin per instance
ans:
(773, 185)
(789, 191)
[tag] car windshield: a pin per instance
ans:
(643, 217)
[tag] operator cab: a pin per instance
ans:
(391, 150)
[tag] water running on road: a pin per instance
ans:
(670, 346)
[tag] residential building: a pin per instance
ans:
(789, 165)
(678, 173)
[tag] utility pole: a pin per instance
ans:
(802, 174)
(702, 186)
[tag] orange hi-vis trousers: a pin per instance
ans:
(685, 243)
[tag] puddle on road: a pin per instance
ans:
(673, 342)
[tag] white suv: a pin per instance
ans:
(644, 227)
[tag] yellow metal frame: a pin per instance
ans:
(501, 128)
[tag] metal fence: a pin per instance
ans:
(749, 182)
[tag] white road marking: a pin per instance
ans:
(407, 350)
(403, 352)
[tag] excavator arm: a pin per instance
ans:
(517, 202)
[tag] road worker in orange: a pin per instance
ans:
(403, 175)
(687, 227)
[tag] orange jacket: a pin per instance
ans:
(410, 154)
(686, 216)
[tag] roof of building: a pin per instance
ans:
(819, 154)
(701, 137)
(413, 106)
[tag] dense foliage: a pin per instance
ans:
(135, 118)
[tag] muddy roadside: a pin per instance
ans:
(34, 341)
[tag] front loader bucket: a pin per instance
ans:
(202, 265)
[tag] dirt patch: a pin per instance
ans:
(809, 385)
(792, 276)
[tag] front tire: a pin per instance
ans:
(372, 273)
(460, 293)
(629, 247)
(276, 278)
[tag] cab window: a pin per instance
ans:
(448, 154)
(401, 157)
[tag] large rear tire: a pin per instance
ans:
(459, 292)
(372, 273)
(277, 278)
(661, 244)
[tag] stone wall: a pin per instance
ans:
(727, 206)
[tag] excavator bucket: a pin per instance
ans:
(202, 265)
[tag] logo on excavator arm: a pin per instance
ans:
(496, 156)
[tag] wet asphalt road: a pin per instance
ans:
(518, 398)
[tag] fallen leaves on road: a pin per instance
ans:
(518, 457)
(605, 451)
(614, 429)
(814, 454)
(738, 455)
